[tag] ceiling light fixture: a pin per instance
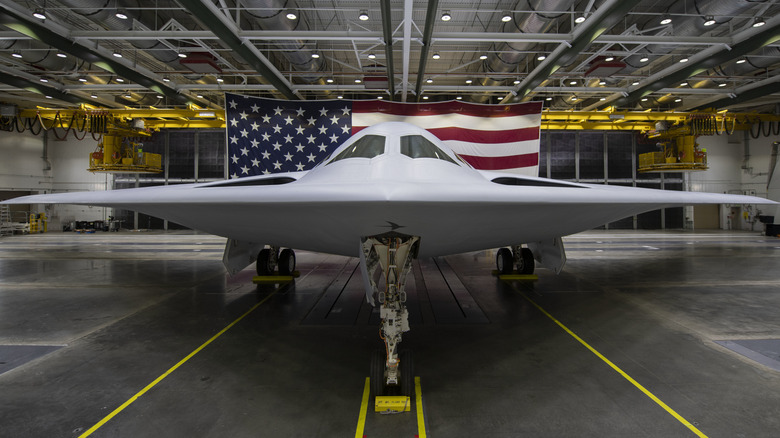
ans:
(94, 96)
(483, 57)
(315, 55)
(219, 79)
(363, 15)
(741, 61)
(380, 97)
(48, 97)
(167, 79)
(666, 19)
(82, 79)
(602, 82)
(541, 58)
(61, 55)
(199, 96)
(44, 80)
(572, 82)
(445, 16)
(684, 84)
(159, 96)
(121, 14)
(371, 56)
(117, 55)
(579, 19)
(16, 55)
(429, 81)
(339, 97)
(119, 80)
(516, 81)
(684, 60)
(635, 83)
(609, 58)
(182, 55)
(644, 59)
(644, 99)
(291, 14)
(758, 22)
(459, 98)
(39, 13)
(506, 16)
(678, 100)
(709, 20)
(357, 81)
(574, 98)
(329, 80)
(548, 99)
(722, 85)
(425, 97)
(603, 99)
(436, 56)
(468, 81)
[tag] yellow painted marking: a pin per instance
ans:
(363, 409)
(418, 402)
(668, 409)
(132, 399)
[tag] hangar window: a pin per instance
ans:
(368, 146)
(417, 146)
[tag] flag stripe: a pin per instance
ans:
(493, 150)
(362, 120)
(476, 136)
(502, 163)
(454, 106)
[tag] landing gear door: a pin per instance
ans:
(550, 254)
(239, 254)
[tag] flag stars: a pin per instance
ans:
(244, 133)
(288, 157)
(266, 155)
(311, 120)
(233, 122)
(345, 111)
(277, 129)
(254, 126)
(255, 143)
(322, 147)
(299, 166)
(255, 162)
(243, 115)
(334, 120)
(233, 104)
(266, 136)
(245, 170)
(233, 176)
(323, 111)
(311, 157)
(277, 146)
(234, 140)
(234, 158)
(299, 130)
(267, 119)
(288, 120)
(300, 112)
(288, 138)
(345, 129)
(311, 139)
(323, 129)
(277, 165)
(334, 138)
(255, 108)
(278, 111)
(299, 148)
(244, 151)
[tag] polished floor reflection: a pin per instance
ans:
(88, 321)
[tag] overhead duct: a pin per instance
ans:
(505, 57)
(270, 15)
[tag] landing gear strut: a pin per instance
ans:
(270, 258)
(391, 371)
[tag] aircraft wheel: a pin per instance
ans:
(504, 261)
(286, 262)
(407, 374)
(377, 373)
(265, 262)
(526, 264)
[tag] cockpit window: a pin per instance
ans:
(417, 146)
(368, 146)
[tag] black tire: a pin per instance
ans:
(264, 266)
(407, 374)
(286, 262)
(526, 264)
(504, 261)
(377, 374)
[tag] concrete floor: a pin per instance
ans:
(88, 321)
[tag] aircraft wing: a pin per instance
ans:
(450, 217)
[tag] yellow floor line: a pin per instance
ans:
(418, 402)
(132, 399)
(363, 409)
(668, 409)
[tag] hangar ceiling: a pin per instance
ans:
(588, 55)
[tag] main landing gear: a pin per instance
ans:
(270, 258)
(507, 258)
(392, 373)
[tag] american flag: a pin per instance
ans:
(271, 136)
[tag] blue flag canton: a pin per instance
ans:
(269, 136)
